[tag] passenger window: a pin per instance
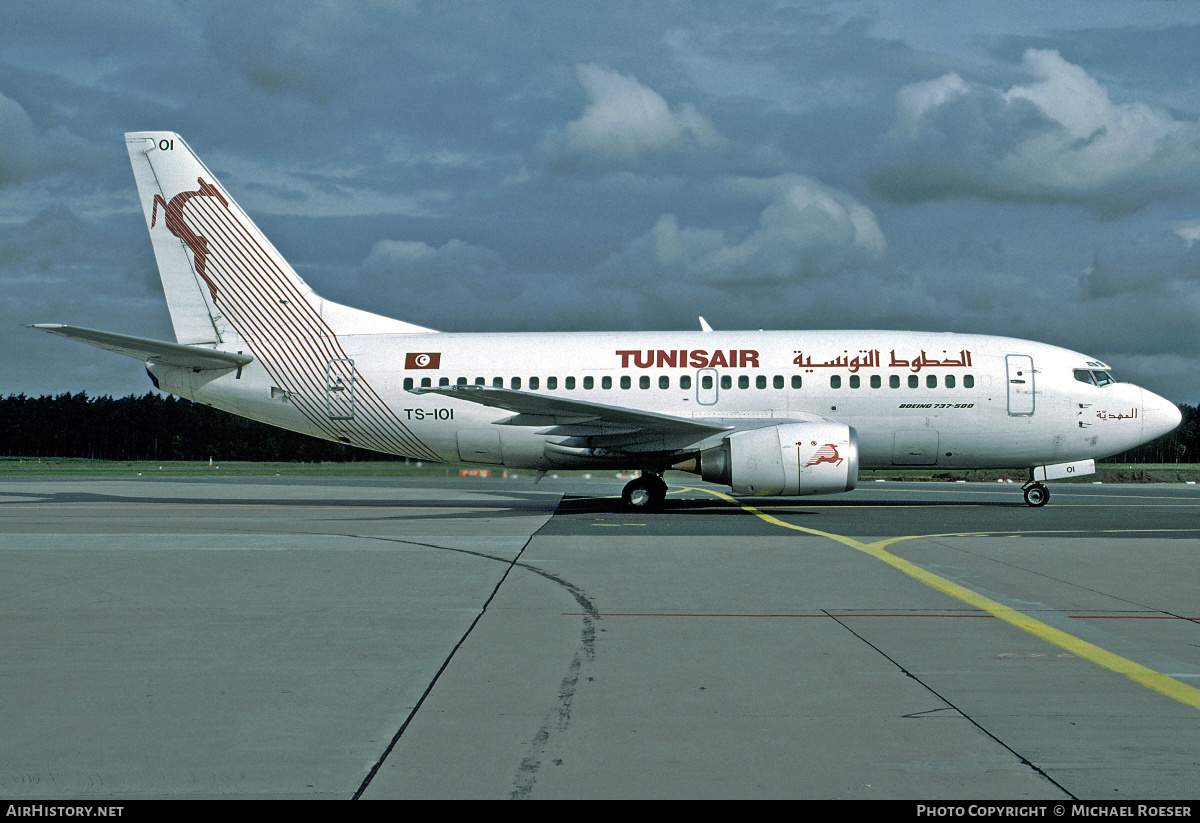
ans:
(551, 383)
(949, 381)
(408, 384)
(760, 382)
(931, 381)
(626, 382)
(743, 381)
(894, 381)
(913, 382)
(968, 381)
(685, 382)
(606, 382)
(876, 381)
(854, 381)
(777, 382)
(426, 382)
(515, 383)
(797, 381)
(588, 382)
(462, 381)
(664, 382)
(706, 382)
(443, 381)
(726, 381)
(835, 382)
(479, 381)
(644, 381)
(569, 383)
(498, 382)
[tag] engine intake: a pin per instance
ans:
(789, 459)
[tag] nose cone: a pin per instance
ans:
(1159, 415)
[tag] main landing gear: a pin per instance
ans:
(1035, 494)
(645, 493)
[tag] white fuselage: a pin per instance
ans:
(914, 398)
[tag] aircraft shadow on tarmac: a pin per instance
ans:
(505, 504)
(685, 505)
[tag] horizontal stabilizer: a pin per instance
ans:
(153, 351)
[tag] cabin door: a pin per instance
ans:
(1020, 384)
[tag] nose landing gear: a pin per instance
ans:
(1036, 494)
(645, 493)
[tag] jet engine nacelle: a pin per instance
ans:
(789, 459)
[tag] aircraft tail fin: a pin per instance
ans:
(223, 280)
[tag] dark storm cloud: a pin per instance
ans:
(29, 151)
(476, 166)
(59, 267)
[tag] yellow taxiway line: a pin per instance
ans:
(1136, 672)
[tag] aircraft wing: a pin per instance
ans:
(594, 424)
(154, 351)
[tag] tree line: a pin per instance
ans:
(158, 427)
(1179, 446)
(152, 427)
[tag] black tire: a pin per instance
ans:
(645, 493)
(1037, 495)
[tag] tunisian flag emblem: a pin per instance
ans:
(423, 360)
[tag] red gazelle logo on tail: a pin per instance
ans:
(177, 227)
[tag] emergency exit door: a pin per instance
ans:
(339, 389)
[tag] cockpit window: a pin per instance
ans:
(1094, 377)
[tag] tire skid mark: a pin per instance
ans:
(558, 719)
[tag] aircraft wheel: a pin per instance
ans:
(1037, 495)
(645, 493)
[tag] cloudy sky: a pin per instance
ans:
(1020, 167)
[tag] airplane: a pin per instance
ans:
(782, 413)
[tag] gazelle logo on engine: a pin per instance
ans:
(826, 454)
(423, 360)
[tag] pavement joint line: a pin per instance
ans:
(1143, 675)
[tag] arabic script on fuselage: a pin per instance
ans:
(864, 359)
(1107, 415)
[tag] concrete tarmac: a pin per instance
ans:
(392, 638)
